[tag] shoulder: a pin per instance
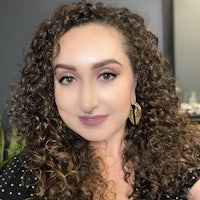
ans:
(194, 192)
(12, 183)
(189, 189)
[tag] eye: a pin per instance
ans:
(66, 80)
(108, 76)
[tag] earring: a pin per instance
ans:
(135, 113)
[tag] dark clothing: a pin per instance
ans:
(12, 185)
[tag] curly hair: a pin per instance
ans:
(162, 147)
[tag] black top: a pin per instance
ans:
(11, 182)
(12, 187)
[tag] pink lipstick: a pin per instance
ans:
(93, 120)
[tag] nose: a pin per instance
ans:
(88, 98)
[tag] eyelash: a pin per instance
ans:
(106, 76)
(66, 80)
(110, 75)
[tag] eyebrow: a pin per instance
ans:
(95, 66)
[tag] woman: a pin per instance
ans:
(98, 114)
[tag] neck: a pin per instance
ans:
(111, 148)
(111, 153)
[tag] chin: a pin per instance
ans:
(95, 138)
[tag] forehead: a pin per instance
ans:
(96, 38)
(93, 32)
(95, 27)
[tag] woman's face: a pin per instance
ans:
(94, 82)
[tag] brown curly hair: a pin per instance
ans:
(162, 147)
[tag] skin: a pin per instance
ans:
(194, 193)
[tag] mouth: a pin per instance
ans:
(95, 120)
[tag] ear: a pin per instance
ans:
(133, 95)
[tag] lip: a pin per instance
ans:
(94, 120)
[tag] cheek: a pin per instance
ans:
(58, 96)
(64, 97)
(63, 106)
(119, 97)
(61, 98)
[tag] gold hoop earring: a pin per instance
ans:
(135, 113)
